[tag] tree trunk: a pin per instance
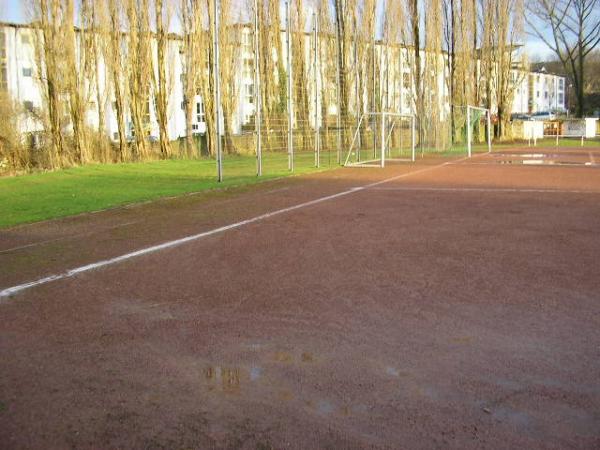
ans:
(162, 94)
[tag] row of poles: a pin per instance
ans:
(257, 91)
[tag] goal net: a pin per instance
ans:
(454, 130)
(380, 138)
(477, 129)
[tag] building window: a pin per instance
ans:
(249, 88)
(28, 105)
(248, 67)
(27, 72)
(66, 111)
(3, 76)
(199, 112)
(247, 41)
(3, 68)
(546, 94)
(406, 80)
(2, 45)
(560, 98)
(25, 39)
(147, 113)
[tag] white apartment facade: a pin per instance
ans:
(547, 92)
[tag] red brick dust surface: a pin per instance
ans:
(454, 306)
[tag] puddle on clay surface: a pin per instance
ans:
(522, 155)
(230, 379)
(223, 378)
(255, 373)
(540, 162)
(392, 371)
(325, 407)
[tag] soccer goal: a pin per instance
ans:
(382, 137)
(478, 122)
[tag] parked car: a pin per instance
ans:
(520, 117)
(543, 115)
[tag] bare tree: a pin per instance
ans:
(49, 54)
(393, 36)
(13, 154)
(433, 69)
(77, 74)
(574, 33)
(413, 37)
(139, 71)
(162, 80)
(116, 62)
(63, 64)
(300, 71)
(96, 17)
(207, 75)
(191, 24)
(502, 32)
(230, 37)
(344, 11)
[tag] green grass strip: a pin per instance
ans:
(41, 196)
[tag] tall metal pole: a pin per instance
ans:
(469, 131)
(489, 130)
(374, 102)
(317, 149)
(217, 9)
(288, 35)
(257, 96)
(401, 69)
(382, 140)
(357, 94)
(413, 136)
(337, 91)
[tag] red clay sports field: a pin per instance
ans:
(451, 303)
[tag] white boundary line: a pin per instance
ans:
(7, 292)
(433, 189)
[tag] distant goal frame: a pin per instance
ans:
(384, 141)
(488, 131)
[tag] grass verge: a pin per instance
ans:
(42, 196)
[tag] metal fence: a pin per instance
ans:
(307, 129)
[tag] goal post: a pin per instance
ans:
(475, 115)
(381, 137)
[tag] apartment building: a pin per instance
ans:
(547, 92)
(534, 92)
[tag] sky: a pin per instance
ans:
(12, 10)
(16, 11)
